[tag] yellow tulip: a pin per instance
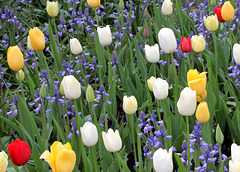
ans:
(15, 58)
(197, 81)
(93, 3)
(204, 95)
(150, 82)
(202, 112)
(227, 11)
(52, 8)
(61, 158)
(37, 39)
(211, 22)
(198, 43)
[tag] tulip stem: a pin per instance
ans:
(154, 68)
(220, 157)
(96, 17)
(188, 141)
(216, 55)
(158, 110)
(94, 161)
(20, 81)
(44, 125)
(131, 124)
(203, 67)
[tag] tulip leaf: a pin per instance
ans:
(179, 162)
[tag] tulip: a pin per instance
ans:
(71, 87)
(43, 91)
(104, 35)
(61, 89)
(15, 58)
(89, 94)
(52, 8)
(121, 4)
(202, 112)
(213, 2)
(93, 3)
(167, 40)
(29, 45)
(204, 95)
(19, 152)
(150, 82)
(218, 12)
(211, 22)
(75, 46)
(167, 7)
(112, 140)
(152, 53)
(160, 89)
(89, 134)
(227, 11)
(234, 164)
(186, 45)
(20, 75)
(236, 53)
(187, 102)
(198, 43)
(130, 105)
(37, 39)
(162, 160)
(146, 14)
(197, 81)
(61, 158)
(3, 161)
(146, 32)
(219, 135)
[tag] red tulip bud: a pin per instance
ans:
(146, 32)
(19, 152)
(219, 13)
(186, 45)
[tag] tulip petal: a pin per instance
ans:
(46, 155)
(65, 161)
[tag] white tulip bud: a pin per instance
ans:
(52, 8)
(104, 35)
(234, 164)
(71, 87)
(236, 53)
(167, 7)
(130, 105)
(75, 46)
(89, 134)
(167, 40)
(162, 160)
(160, 89)
(112, 140)
(152, 53)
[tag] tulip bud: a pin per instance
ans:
(213, 2)
(187, 102)
(204, 95)
(71, 87)
(29, 45)
(93, 3)
(37, 39)
(121, 4)
(160, 89)
(211, 22)
(52, 8)
(167, 40)
(15, 58)
(89, 94)
(236, 53)
(162, 160)
(130, 105)
(202, 112)
(104, 35)
(145, 14)
(3, 161)
(152, 53)
(167, 7)
(150, 82)
(146, 32)
(198, 43)
(19, 152)
(20, 75)
(89, 134)
(219, 135)
(186, 45)
(61, 89)
(75, 46)
(218, 12)
(43, 91)
(112, 140)
(234, 164)
(227, 11)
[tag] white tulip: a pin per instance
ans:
(3, 161)
(160, 89)
(52, 8)
(167, 40)
(75, 46)
(236, 53)
(89, 134)
(152, 53)
(71, 87)
(29, 45)
(162, 160)
(167, 7)
(234, 164)
(187, 102)
(104, 35)
(112, 141)
(130, 105)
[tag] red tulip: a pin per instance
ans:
(186, 45)
(19, 152)
(219, 13)
(146, 32)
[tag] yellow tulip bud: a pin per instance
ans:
(150, 82)
(204, 95)
(89, 94)
(197, 81)
(227, 11)
(93, 3)
(198, 43)
(20, 75)
(62, 89)
(37, 39)
(211, 22)
(130, 105)
(52, 8)
(15, 58)
(202, 112)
